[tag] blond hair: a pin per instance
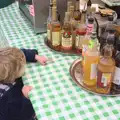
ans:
(12, 60)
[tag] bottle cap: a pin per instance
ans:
(67, 16)
(110, 18)
(90, 20)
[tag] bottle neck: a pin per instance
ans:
(77, 7)
(50, 10)
(83, 18)
(54, 16)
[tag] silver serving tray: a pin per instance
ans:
(76, 73)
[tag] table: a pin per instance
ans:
(54, 96)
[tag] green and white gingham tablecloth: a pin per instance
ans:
(54, 96)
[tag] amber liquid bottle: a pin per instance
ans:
(66, 43)
(77, 13)
(90, 62)
(80, 33)
(56, 30)
(49, 27)
(106, 68)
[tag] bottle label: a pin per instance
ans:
(90, 28)
(78, 42)
(48, 34)
(84, 49)
(103, 79)
(55, 38)
(93, 73)
(116, 79)
(67, 40)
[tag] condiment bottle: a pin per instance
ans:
(90, 61)
(56, 30)
(66, 43)
(106, 68)
(116, 78)
(49, 26)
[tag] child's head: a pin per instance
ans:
(12, 61)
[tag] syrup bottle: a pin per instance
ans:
(90, 61)
(106, 68)
(49, 26)
(66, 43)
(116, 79)
(56, 30)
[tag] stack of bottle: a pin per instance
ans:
(74, 32)
(101, 62)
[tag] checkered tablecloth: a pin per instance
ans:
(54, 96)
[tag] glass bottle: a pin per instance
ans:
(73, 25)
(106, 68)
(116, 78)
(90, 61)
(77, 13)
(49, 27)
(56, 30)
(66, 43)
(109, 37)
(80, 33)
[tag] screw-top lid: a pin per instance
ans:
(90, 20)
(107, 50)
(110, 18)
(72, 8)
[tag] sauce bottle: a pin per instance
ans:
(90, 61)
(106, 68)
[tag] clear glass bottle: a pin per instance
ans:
(49, 27)
(106, 68)
(56, 30)
(90, 61)
(77, 13)
(66, 43)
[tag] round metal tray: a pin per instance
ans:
(70, 52)
(76, 73)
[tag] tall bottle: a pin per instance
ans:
(90, 62)
(56, 30)
(73, 25)
(80, 33)
(66, 43)
(106, 68)
(116, 78)
(77, 13)
(49, 26)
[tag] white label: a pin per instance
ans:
(48, 34)
(93, 73)
(116, 79)
(106, 77)
(55, 38)
(67, 42)
(78, 42)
